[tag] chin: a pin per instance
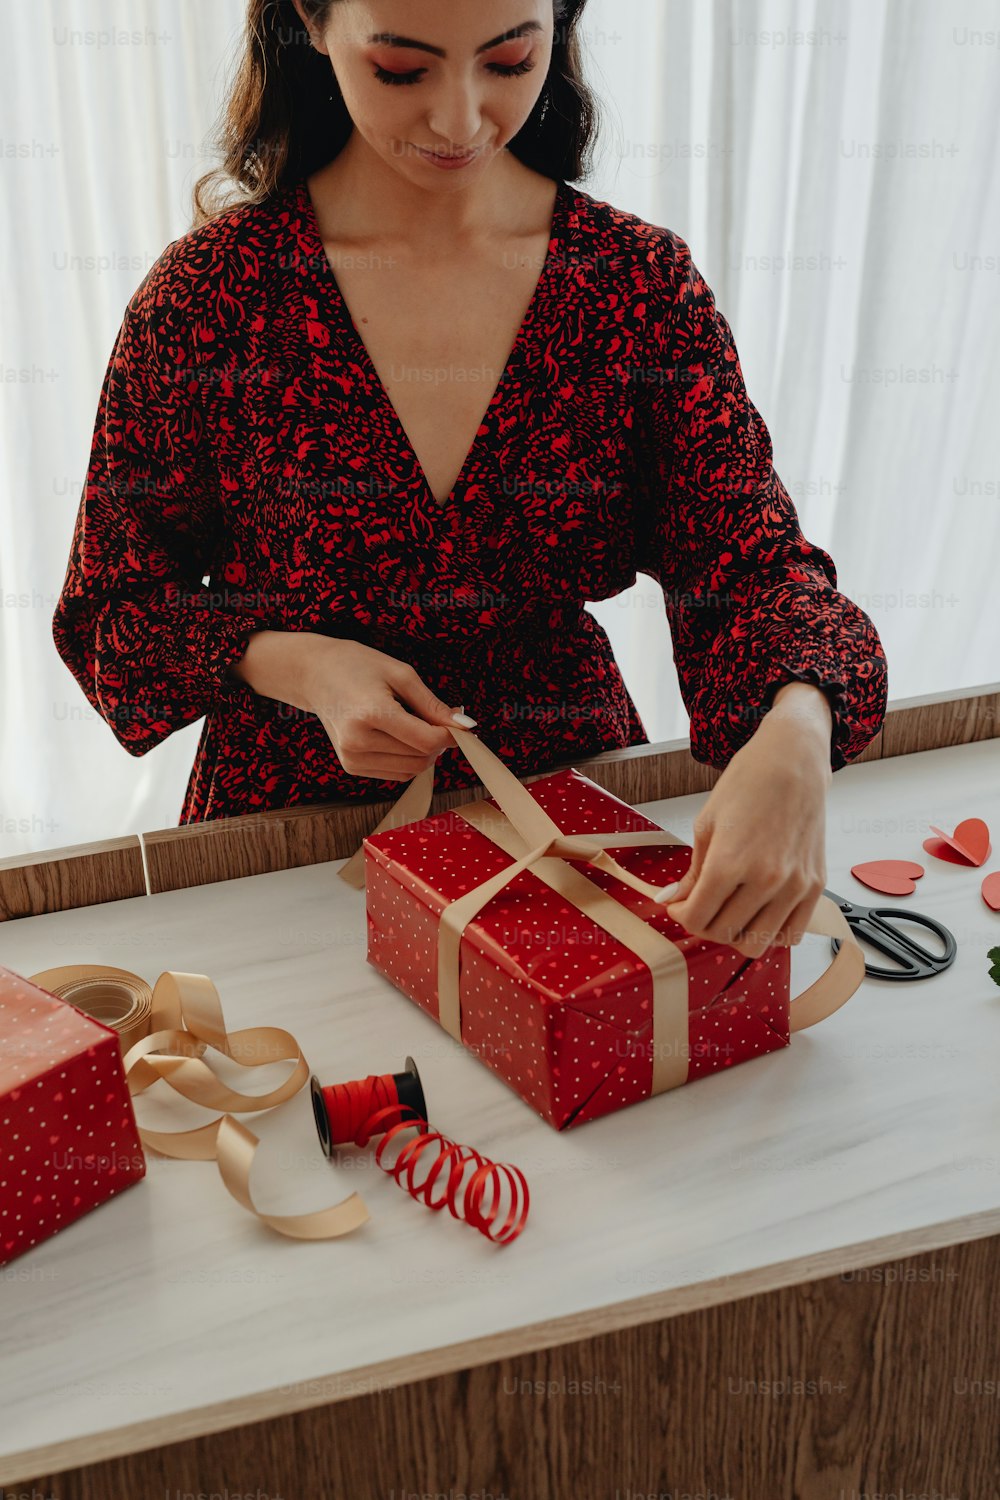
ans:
(403, 158)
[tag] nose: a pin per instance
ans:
(455, 116)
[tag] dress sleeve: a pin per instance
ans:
(751, 603)
(145, 639)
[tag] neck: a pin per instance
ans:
(360, 198)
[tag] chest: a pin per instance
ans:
(439, 338)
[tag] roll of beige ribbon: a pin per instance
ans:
(117, 997)
(164, 1033)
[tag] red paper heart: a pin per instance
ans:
(892, 877)
(971, 838)
(991, 890)
(942, 850)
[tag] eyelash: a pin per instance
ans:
(395, 79)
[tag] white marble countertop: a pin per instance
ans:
(170, 1311)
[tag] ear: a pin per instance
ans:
(315, 35)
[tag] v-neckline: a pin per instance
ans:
(327, 277)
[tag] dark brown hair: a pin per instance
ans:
(285, 116)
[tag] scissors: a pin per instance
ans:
(870, 923)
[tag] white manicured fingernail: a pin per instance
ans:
(667, 893)
(464, 720)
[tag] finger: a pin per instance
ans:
(795, 927)
(370, 742)
(682, 888)
(413, 733)
(712, 890)
(407, 732)
(765, 929)
(402, 763)
(782, 922)
(733, 915)
(381, 768)
(407, 684)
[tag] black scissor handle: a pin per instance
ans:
(914, 961)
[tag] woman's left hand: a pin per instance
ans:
(758, 863)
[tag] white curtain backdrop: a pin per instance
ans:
(831, 163)
(833, 166)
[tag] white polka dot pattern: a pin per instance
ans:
(555, 1005)
(68, 1137)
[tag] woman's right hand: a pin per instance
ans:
(355, 691)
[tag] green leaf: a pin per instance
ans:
(994, 954)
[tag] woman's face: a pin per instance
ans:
(427, 79)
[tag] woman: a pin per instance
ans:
(369, 439)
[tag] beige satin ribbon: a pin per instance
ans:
(164, 1033)
(117, 997)
(525, 831)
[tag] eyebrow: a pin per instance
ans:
(390, 39)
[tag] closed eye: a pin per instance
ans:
(501, 70)
(512, 70)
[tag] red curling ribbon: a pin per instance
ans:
(390, 1103)
(463, 1193)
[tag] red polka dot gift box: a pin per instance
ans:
(526, 924)
(67, 1129)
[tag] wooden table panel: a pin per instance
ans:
(876, 1380)
(80, 875)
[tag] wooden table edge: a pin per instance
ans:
(280, 1401)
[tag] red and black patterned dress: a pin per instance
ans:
(248, 471)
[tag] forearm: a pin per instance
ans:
(800, 713)
(274, 663)
(805, 703)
